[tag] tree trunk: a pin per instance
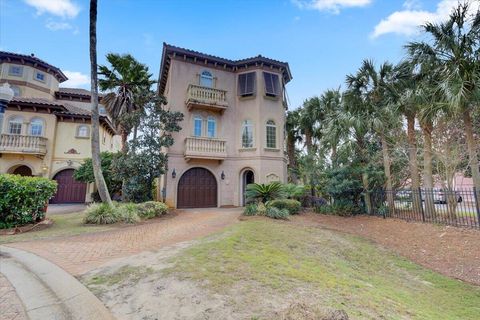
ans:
(427, 129)
(96, 162)
(308, 140)
(413, 162)
(368, 199)
(334, 155)
(388, 175)
(472, 149)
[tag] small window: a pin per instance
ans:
(102, 110)
(15, 70)
(83, 131)
(272, 85)
(197, 126)
(247, 134)
(211, 127)
(39, 76)
(36, 127)
(271, 134)
(206, 79)
(15, 125)
(16, 91)
(246, 84)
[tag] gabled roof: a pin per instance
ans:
(33, 61)
(192, 56)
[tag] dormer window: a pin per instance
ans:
(15, 70)
(39, 76)
(206, 79)
(246, 84)
(272, 84)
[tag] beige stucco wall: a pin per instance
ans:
(266, 164)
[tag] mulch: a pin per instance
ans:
(451, 251)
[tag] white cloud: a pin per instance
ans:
(76, 79)
(407, 22)
(61, 8)
(333, 6)
(56, 25)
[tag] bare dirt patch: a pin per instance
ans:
(451, 251)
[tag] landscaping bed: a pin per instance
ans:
(448, 250)
(273, 269)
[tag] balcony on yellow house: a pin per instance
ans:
(205, 148)
(23, 144)
(206, 98)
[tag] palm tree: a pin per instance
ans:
(96, 162)
(455, 45)
(293, 136)
(311, 116)
(128, 81)
(333, 129)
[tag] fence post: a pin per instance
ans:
(476, 205)
(421, 204)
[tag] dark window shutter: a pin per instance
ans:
(272, 86)
(246, 84)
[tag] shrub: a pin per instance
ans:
(294, 191)
(261, 209)
(264, 192)
(127, 213)
(275, 213)
(23, 199)
(250, 209)
(151, 209)
(293, 206)
(101, 213)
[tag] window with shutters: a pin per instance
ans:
(246, 84)
(272, 84)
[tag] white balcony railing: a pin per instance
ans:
(14, 143)
(208, 98)
(205, 148)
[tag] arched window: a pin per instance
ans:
(15, 125)
(83, 131)
(247, 134)
(36, 127)
(197, 126)
(211, 127)
(206, 79)
(271, 134)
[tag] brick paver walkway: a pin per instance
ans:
(80, 254)
(11, 307)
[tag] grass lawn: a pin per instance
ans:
(325, 269)
(68, 224)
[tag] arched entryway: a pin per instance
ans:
(69, 190)
(197, 188)
(23, 171)
(247, 178)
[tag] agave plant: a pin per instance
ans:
(294, 191)
(259, 192)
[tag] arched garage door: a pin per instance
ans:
(197, 188)
(69, 190)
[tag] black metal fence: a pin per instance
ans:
(458, 208)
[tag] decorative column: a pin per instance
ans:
(6, 95)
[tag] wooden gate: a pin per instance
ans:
(69, 190)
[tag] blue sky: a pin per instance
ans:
(322, 40)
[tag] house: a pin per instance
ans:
(233, 130)
(46, 128)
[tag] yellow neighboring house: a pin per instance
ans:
(46, 129)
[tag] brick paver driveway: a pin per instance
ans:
(82, 253)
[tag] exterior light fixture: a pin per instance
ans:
(174, 174)
(6, 95)
(222, 175)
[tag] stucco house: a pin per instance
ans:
(233, 130)
(46, 128)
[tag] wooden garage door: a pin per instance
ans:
(69, 190)
(197, 188)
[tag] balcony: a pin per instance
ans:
(206, 98)
(13, 143)
(205, 148)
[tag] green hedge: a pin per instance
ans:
(23, 199)
(293, 206)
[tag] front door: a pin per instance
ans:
(247, 178)
(197, 188)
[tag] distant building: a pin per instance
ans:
(46, 129)
(233, 131)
